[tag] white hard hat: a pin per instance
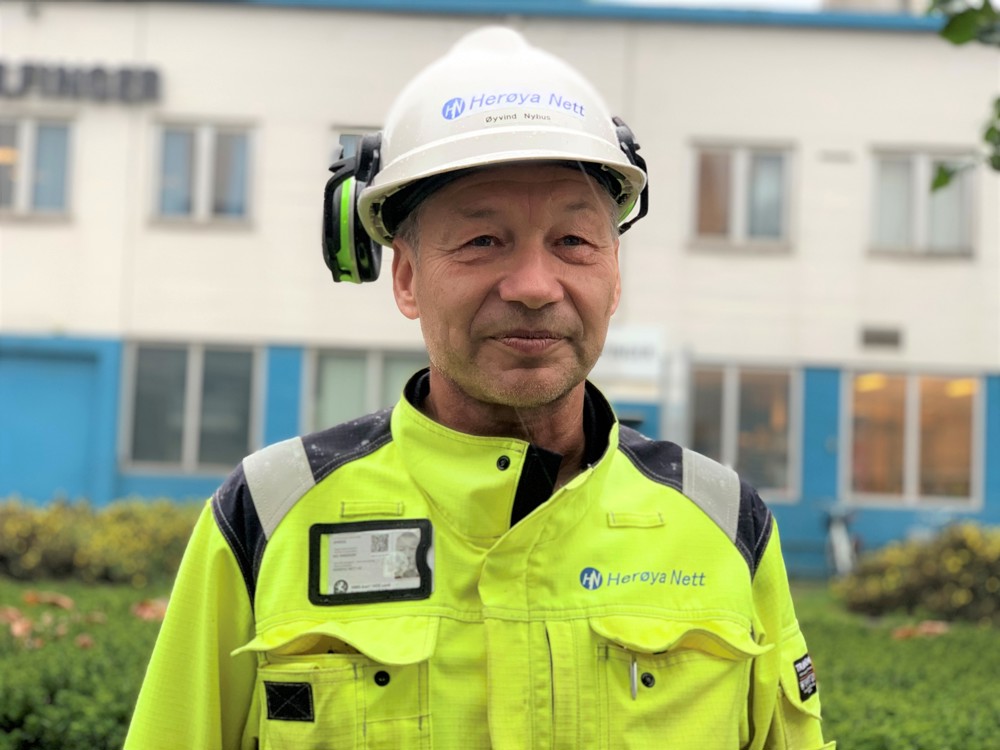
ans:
(495, 99)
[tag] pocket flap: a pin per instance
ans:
(390, 640)
(653, 635)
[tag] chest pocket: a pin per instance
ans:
(663, 683)
(334, 685)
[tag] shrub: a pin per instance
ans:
(130, 541)
(954, 576)
(71, 663)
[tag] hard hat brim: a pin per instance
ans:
(502, 146)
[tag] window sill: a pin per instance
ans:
(907, 254)
(748, 247)
(153, 468)
(915, 504)
(35, 217)
(212, 224)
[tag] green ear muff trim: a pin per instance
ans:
(345, 253)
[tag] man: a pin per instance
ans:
(576, 584)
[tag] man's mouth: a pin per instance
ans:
(528, 342)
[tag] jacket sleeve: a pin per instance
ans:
(195, 695)
(785, 693)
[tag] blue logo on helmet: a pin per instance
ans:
(453, 108)
(591, 578)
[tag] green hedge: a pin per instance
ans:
(71, 681)
(881, 692)
(953, 576)
(129, 541)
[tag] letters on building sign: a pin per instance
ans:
(129, 85)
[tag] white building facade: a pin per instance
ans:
(797, 303)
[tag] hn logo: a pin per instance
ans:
(591, 578)
(453, 108)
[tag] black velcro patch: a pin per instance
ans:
(807, 677)
(289, 701)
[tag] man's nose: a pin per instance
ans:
(532, 277)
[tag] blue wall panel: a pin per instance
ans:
(283, 399)
(641, 415)
(803, 530)
(991, 452)
(58, 417)
(820, 434)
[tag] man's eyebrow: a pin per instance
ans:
(483, 212)
(582, 206)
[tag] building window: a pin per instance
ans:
(349, 384)
(909, 218)
(192, 406)
(746, 418)
(742, 195)
(346, 140)
(913, 437)
(34, 167)
(204, 173)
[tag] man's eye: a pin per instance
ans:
(572, 241)
(483, 240)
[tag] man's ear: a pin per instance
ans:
(403, 267)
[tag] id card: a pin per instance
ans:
(370, 561)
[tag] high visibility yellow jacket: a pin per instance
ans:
(363, 587)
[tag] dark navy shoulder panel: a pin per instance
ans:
(237, 519)
(255, 498)
(659, 460)
(330, 449)
(733, 504)
(755, 524)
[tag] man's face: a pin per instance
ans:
(407, 544)
(514, 280)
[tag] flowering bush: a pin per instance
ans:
(130, 541)
(954, 576)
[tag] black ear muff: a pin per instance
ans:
(349, 252)
(626, 140)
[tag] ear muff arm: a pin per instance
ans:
(628, 144)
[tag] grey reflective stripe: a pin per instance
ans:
(277, 477)
(715, 489)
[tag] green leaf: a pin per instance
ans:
(992, 135)
(942, 177)
(963, 27)
(995, 162)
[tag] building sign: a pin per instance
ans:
(93, 83)
(632, 353)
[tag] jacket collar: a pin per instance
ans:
(482, 485)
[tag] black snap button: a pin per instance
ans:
(503, 463)
(647, 679)
(381, 678)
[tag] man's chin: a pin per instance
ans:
(526, 389)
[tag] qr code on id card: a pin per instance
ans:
(380, 542)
